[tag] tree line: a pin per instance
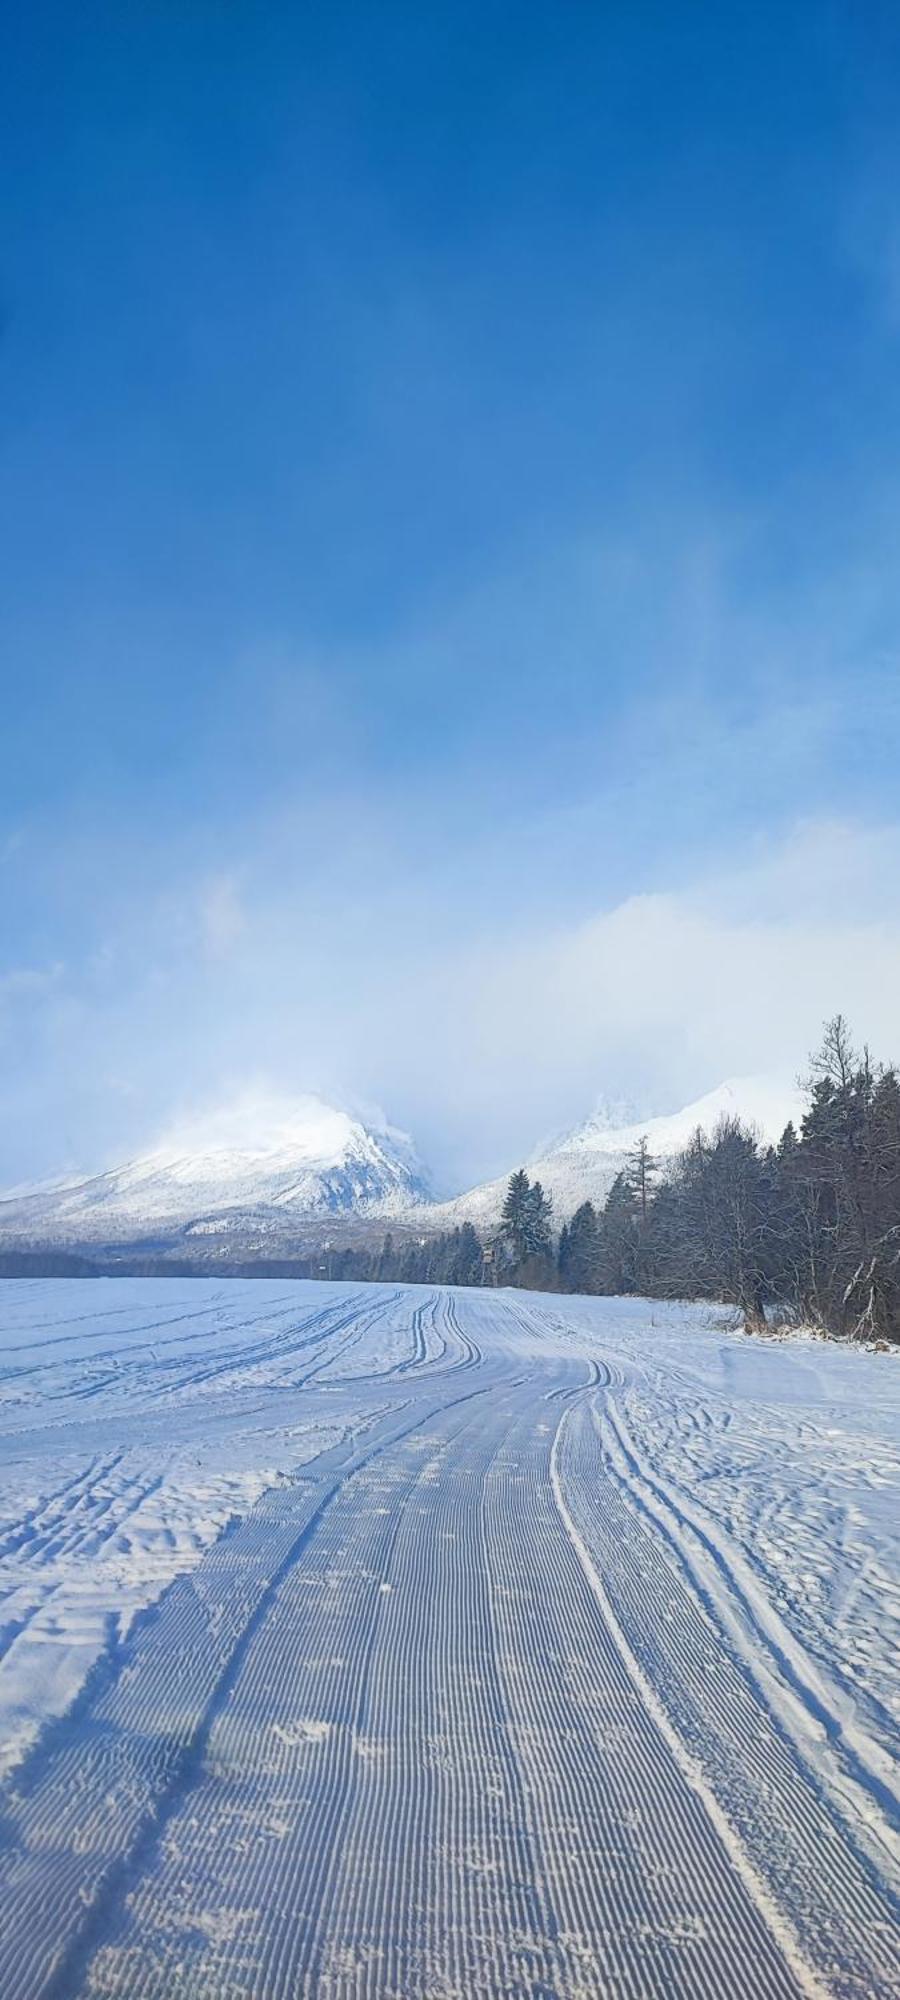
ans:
(454, 1257)
(806, 1229)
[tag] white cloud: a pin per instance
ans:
(661, 996)
(223, 918)
(479, 1038)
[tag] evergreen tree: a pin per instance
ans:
(846, 1180)
(579, 1250)
(618, 1239)
(514, 1220)
(524, 1250)
(811, 1226)
(538, 1220)
(467, 1260)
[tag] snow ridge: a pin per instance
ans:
(583, 1165)
(251, 1171)
(260, 1154)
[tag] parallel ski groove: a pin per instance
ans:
(453, 1714)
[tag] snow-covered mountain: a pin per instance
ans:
(267, 1176)
(260, 1163)
(583, 1165)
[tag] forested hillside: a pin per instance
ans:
(808, 1229)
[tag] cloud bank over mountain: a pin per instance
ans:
(262, 1176)
(479, 1036)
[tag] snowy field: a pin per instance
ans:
(384, 1642)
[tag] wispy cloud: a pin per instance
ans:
(26, 982)
(223, 918)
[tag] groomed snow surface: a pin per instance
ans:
(395, 1642)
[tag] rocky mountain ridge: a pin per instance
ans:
(263, 1176)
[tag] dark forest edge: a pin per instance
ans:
(805, 1232)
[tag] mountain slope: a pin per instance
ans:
(263, 1176)
(259, 1160)
(583, 1165)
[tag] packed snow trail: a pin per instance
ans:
(392, 1642)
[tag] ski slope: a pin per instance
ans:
(391, 1642)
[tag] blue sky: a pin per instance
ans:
(449, 500)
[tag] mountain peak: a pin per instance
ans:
(765, 1102)
(256, 1168)
(259, 1124)
(256, 1155)
(583, 1165)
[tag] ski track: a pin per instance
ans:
(394, 1642)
